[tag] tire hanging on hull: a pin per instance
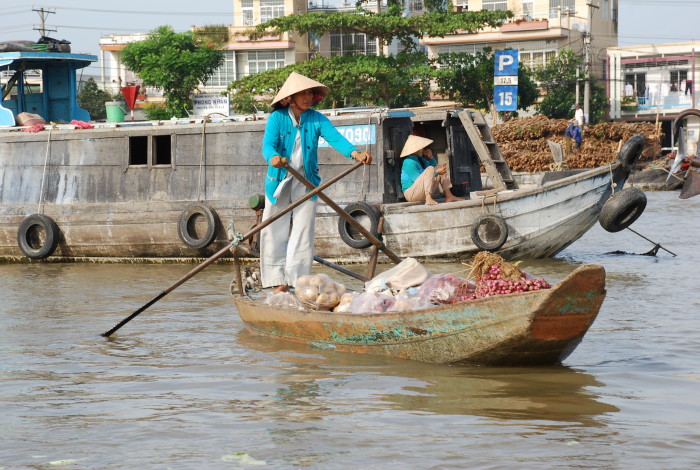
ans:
(623, 209)
(37, 236)
(188, 226)
(363, 213)
(489, 232)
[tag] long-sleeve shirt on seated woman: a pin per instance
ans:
(412, 167)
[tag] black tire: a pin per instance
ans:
(194, 232)
(367, 215)
(38, 236)
(623, 209)
(630, 152)
(489, 232)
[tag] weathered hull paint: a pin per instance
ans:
(107, 206)
(532, 328)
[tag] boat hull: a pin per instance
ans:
(532, 328)
(121, 192)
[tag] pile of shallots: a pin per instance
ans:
(492, 283)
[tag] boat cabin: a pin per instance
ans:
(41, 83)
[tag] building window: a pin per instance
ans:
(534, 54)
(678, 80)
(352, 44)
(493, 5)
(635, 84)
(270, 9)
(247, 12)
(462, 3)
(566, 6)
(461, 48)
(260, 61)
(415, 5)
(226, 73)
(528, 9)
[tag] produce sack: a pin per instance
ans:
(370, 302)
(284, 300)
(407, 273)
(319, 291)
(441, 289)
(29, 119)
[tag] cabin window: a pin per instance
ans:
(138, 150)
(162, 150)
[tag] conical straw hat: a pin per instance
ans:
(414, 144)
(295, 83)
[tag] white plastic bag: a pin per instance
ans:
(407, 273)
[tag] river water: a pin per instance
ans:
(183, 386)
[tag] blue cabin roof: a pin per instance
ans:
(57, 100)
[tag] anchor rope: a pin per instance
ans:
(201, 158)
(43, 175)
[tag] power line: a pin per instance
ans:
(141, 12)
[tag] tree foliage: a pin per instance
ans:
(92, 99)
(174, 62)
(385, 26)
(394, 81)
(360, 80)
(558, 80)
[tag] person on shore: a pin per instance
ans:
(292, 132)
(420, 174)
(579, 116)
(573, 133)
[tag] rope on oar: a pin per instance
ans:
(656, 245)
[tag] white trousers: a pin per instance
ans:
(287, 245)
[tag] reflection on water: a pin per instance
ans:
(184, 386)
(527, 393)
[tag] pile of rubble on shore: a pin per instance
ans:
(523, 142)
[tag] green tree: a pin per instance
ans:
(395, 81)
(174, 62)
(92, 99)
(558, 80)
(353, 80)
(385, 26)
(468, 79)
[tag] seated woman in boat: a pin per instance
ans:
(292, 132)
(420, 174)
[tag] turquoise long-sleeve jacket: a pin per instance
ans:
(279, 137)
(412, 167)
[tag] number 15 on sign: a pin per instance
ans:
(505, 98)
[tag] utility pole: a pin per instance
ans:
(43, 13)
(587, 62)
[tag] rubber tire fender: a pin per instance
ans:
(631, 151)
(26, 236)
(357, 211)
(187, 218)
(623, 209)
(490, 222)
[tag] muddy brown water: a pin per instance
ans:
(183, 386)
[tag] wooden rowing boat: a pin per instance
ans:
(530, 328)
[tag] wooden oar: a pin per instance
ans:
(360, 228)
(224, 250)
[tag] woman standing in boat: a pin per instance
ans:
(420, 174)
(292, 132)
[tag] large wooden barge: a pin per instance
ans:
(170, 189)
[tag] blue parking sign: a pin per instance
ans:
(505, 71)
(505, 97)
(505, 63)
